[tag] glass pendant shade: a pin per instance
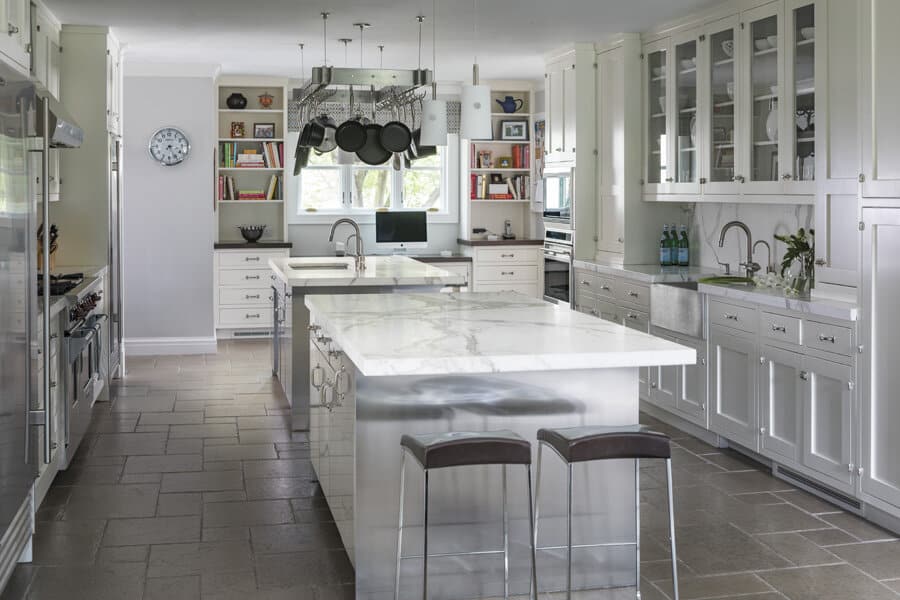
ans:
(475, 113)
(434, 123)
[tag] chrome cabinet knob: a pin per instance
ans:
(787, 177)
(821, 262)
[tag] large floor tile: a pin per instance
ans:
(240, 452)
(67, 542)
(202, 481)
(177, 560)
(836, 582)
(881, 560)
(303, 568)
(716, 549)
(281, 487)
(165, 463)
(858, 528)
(99, 582)
(203, 431)
(112, 501)
(270, 539)
(260, 512)
(157, 530)
(173, 588)
(748, 481)
(254, 469)
(798, 549)
(130, 444)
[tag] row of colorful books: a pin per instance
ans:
(519, 158)
(228, 190)
(270, 155)
(494, 187)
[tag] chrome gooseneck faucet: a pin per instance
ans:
(360, 256)
(770, 268)
(750, 266)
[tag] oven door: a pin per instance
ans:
(557, 277)
(558, 195)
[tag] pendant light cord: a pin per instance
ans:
(434, 49)
(420, 18)
(302, 62)
(325, 38)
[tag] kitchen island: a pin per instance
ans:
(384, 366)
(294, 278)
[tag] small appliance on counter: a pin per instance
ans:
(507, 230)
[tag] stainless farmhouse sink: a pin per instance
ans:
(321, 266)
(728, 280)
(678, 307)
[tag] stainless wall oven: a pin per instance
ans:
(558, 265)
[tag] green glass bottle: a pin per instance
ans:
(684, 248)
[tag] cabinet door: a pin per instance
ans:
(610, 150)
(664, 382)
(656, 118)
(18, 17)
(690, 397)
(828, 423)
(53, 67)
(555, 109)
(722, 101)
(781, 390)
(40, 52)
(733, 386)
(881, 342)
(762, 89)
(569, 108)
(881, 88)
(686, 97)
(798, 127)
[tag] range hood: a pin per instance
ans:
(60, 128)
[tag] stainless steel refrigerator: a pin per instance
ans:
(30, 122)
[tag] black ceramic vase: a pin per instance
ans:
(236, 101)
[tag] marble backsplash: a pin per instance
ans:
(764, 221)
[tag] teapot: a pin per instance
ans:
(510, 104)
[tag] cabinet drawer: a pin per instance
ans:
(244, 260)
(587, 281)
(494, 273)
(730, 315)
(242, 296)
(830, 338)
(586, 302)
(780, 328)
(609, 311)
(507, 255)
(635, 319)
(255, 278)
(632, 293)
(256, 316)
(529, 289)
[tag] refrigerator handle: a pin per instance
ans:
(45, 251)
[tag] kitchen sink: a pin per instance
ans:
(323, 266)
(677, 306)
(729, 280)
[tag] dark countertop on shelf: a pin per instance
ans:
(437, 258)
(516, 242)
(255, 246)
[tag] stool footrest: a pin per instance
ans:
(577, 546)
(446, 554)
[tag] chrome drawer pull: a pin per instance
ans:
(633, 294)
(631, 316)
(251, 258)
(252, 297)
(507, 256)
(507, 272)
(587, 283)
(826, 338)
(249, 316)
(731, 316)
(605, 288)
(780, 328)
(251, 276)
(804, 375)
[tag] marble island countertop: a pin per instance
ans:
(334, 271)
(775, 298)
(428, 334)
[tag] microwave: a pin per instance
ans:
(559, 193)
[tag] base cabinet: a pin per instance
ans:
(681, 389)
(733, 386)
(829, 407)
(781, 396)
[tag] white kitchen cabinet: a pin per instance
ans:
(880, 119)
(733, 400)
(829, 407)
(113, 87)
(45, 49)
(244, 289)
(555, 110)
(657, 116)
(15, 18)
(507, 269)
(781, 398)
(686, 103)
(570, 108)
(611, 73)
(879, 374)
(691, 392)
(721, 100)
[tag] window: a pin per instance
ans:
(326, 188)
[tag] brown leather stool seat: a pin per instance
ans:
(579, 444)
(465, 448)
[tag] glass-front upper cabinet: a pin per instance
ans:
(761, 170)
(656, 74)
(721, 128)
(800, 100)
(686, 137)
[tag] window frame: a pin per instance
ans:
(449, 213)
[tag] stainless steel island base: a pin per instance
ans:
(355, 441)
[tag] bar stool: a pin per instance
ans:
(461, 449)
(582, 444)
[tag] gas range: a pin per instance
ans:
(60, 284)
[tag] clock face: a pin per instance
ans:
(169, 146)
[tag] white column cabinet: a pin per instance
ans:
(828, 421)
(555, 109)
(880, 88)
(781, 394)
(569, 108)
(878, 362)
(733, 398)
(611, 73)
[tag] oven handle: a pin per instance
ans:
(563, 258)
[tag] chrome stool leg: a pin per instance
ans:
(672, 528)
(569, 532)
(400, 523)
(637, 527)
(534, 525)
(532, 516)
(505, 539)
(425, 544)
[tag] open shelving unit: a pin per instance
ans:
(479, 209)
(232, 210)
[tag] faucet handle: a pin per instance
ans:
(726, 265)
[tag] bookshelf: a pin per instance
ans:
(250, 155)
(486, 166)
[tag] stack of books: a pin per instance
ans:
(227, 190)
(250, 159)
(521, 156)
(269, 155)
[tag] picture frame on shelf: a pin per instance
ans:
(264, 130)
(515, 131)
(238, 129)
(504, 162)
(485, 160)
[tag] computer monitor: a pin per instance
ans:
(400, 230)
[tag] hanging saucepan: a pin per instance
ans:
(372, 152)
(395, 135)
(351, 134)
(313, 133)
(328, 142)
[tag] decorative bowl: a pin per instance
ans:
(773, 41)
(729, 89)
(728, 48)
(662, 103)
(688, 63)
(761, 44)
(807, 33)
(659, 71)
(252, 233)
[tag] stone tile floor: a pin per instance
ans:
(190, 485)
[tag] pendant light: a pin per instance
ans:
(434, 111)
(475, 101)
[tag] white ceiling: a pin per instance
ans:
(261, 36)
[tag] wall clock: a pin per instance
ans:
(169, 146)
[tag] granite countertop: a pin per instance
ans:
(458, 333)
(380, 271)
(248, 246)
(516, 242)
(775, 298)
(648, 273)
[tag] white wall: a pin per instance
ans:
(169, 221)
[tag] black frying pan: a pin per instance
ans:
(313, 133)
(395, 135)
(301, 159)
(372, 152)
(350, 136)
